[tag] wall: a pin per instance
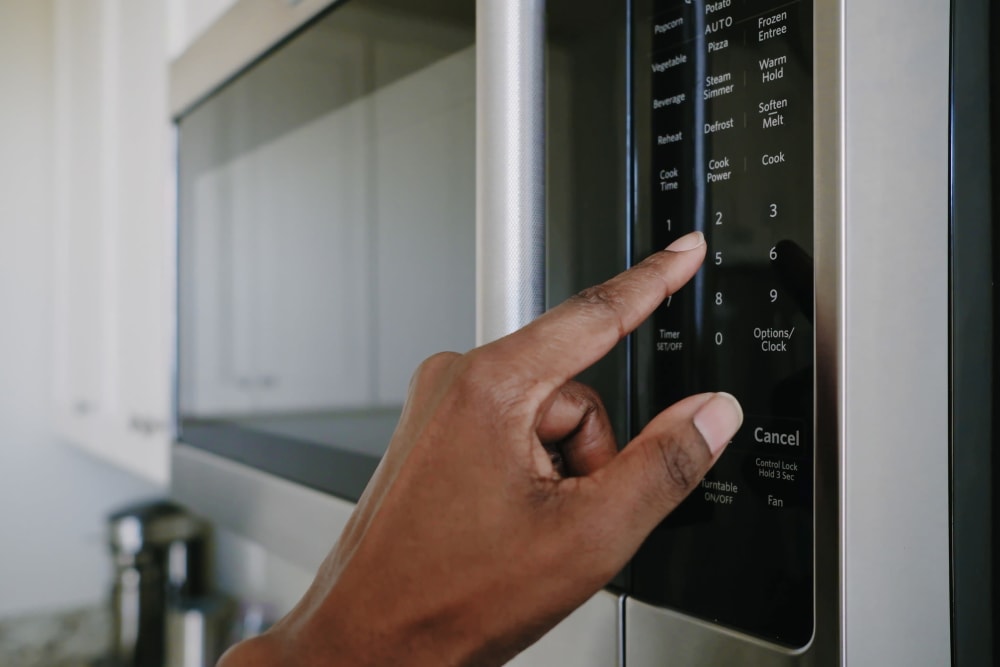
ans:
(52, 498)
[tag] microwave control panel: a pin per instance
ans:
(723, 108)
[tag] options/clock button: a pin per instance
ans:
(774, 339)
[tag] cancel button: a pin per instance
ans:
(776, 434)
(777, 437)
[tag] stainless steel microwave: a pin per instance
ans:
(363, 183)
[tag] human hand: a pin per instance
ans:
(469, 543)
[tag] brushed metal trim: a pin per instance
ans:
(655, 636)
(510, 165)
(174, 281)
(830, 269)
(289, 520)
(585, 638)
(243, 34)
(895, 339)
(622, 615)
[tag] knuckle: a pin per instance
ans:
(475, 362)
(655, 264)
(584, 394)
(586, 399)
(436, 364)
(656, 267)
(604, 300)
(473, 372)
(431, 369)
(680, 462)
(481, 380)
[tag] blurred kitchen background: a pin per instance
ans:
(84, 292)
(315, 209)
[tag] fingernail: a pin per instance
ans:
(687, 242)
(718, 420)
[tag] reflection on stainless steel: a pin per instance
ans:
(197, 631)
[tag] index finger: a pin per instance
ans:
(578, 332)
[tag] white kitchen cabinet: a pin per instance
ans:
(112, 233)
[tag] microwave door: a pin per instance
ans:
(326, 243)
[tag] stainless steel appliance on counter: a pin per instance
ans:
(363, 183)
(160, 554)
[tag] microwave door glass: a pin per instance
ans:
(327, 239)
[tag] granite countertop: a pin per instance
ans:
(76, 638)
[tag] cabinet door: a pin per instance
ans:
(82, 262)
(112, 232)
(141, 302)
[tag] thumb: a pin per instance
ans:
(657, 470)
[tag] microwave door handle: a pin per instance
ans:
(510, 165)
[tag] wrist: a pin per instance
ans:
(346, 636)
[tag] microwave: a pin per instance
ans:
(363, 183)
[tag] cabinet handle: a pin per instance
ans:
(259, 382)
(146, 425)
